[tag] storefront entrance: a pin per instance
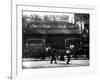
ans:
(35, 47)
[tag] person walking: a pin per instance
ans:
(68, 51)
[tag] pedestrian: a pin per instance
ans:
(53, 56)
(68, 55)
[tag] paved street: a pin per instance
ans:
(27, 64)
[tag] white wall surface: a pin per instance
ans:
(5, 36)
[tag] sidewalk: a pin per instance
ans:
(46, 64)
